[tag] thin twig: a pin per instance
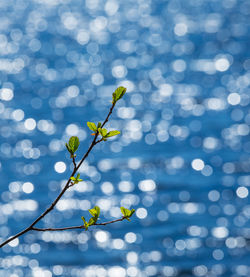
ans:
(76, 227)
(71, 184)
(67, 185)
(110, 112)
(74, 161)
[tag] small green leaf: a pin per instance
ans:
(127, 213)
(77, 179)
(92, 212)
(132, 212)
(68, 148)
(95, 212)
(92, 221)
(112, 133)
(92, 126)
(83, 218)
(124, 211)
(118, 94)
(98, 210)
(103, 131)
(99, 125)
(73, 144)
(114, 98)
(86, 225)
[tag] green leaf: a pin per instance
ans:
(95, 212)
(99, 125)
(83, 219)
(68, 148)
(77, 179)
(103, 131)
(118, 94)
(92, 221)
(92, 126)
(112, 133)
(132, 212)
(98, 210)
(73, 144)
(86, 225)
(127, 213)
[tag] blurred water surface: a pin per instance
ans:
(182, 160)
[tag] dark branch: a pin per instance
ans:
(67, 185)
(99, 141)
(71, 184)
(74, 161)
(76, 227)
(109, 114)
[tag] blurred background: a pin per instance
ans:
(182, 160)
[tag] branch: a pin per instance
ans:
(67, 185)
(76, 227)
(74, 161)
(94, 142)
(109, 114)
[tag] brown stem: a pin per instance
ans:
(74, 161)
(110, 112)
(76, 227)
(76, 167)
(71, 184)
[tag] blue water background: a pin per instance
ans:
(182, 160)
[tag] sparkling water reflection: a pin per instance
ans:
(182, 160)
